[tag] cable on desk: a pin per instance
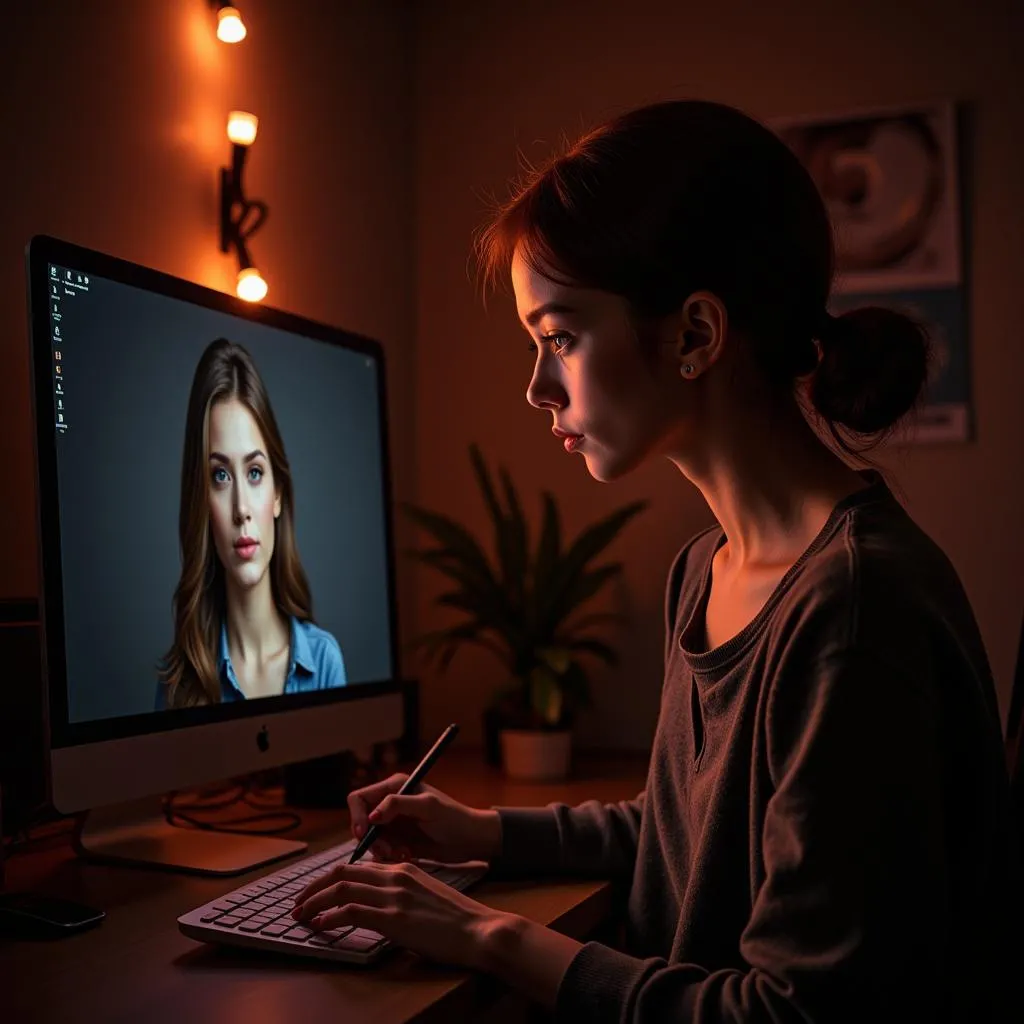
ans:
(239, 791)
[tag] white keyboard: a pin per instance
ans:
(258, 914)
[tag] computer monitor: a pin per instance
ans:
(217, 568)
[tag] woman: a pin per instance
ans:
(242, 609)
(824, 832)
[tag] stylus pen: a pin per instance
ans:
(410, 785)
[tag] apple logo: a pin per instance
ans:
(263, 739)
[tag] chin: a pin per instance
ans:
(247, 576)
(609, 466)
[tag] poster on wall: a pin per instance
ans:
(890, 181)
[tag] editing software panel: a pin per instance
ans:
(66, 287)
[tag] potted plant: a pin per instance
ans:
(525, 608)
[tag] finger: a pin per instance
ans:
(336, 874)
(341, 893)
(420, 806)
(362, 801)
(377, 919)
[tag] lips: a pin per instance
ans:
(246, 546)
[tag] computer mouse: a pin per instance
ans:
(35, 915)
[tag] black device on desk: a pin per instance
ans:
(33, 915)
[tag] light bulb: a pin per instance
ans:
(242, 127)
(251, 285)
(230, 28)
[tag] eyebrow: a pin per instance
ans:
(221, 457)
(549, 307)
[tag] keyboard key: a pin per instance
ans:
(243, 912)
(224, 906)
(358, 941)
(211, 915)
(234, 898)
(274, 929)
(251, 925)
(228, 921)
(300, 933)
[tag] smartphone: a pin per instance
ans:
(29, 913)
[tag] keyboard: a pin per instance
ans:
(258, 914)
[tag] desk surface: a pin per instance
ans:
(138, 967)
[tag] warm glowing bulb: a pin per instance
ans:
(242, 127)
(230, 28)
(251, 285)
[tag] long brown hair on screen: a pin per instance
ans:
(685, 195)
(189, 669)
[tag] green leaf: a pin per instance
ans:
(458, 540)
(548, 545)
(559, 603)
(591, 645)
(516, 541)
(579, 591)
(449, 564)
(484, 479)
(546, 694)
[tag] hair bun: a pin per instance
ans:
(873, 368)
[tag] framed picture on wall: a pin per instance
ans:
(890, 179)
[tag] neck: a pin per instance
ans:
(256, 629)
(770, 482)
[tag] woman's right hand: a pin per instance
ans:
(426, 824)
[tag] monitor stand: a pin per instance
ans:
(138, 833)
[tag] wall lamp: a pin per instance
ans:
(230, 27)
(241, 217)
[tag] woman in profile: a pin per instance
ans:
(243, 616)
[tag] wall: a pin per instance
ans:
(494, 79)
(114, 119)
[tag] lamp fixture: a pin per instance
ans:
(241, 217)
(230, 27)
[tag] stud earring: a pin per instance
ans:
(688, 368)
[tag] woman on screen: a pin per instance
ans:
(242, 608)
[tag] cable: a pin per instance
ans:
(238, 791)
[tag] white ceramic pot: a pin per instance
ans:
(535, 756)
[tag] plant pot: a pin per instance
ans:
(536, 756)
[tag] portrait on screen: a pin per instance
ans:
(242, 608)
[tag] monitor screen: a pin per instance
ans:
(214, 498)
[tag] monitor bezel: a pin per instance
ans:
(41, 251)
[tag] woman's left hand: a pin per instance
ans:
(405, 904)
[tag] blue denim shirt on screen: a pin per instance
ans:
(316, 663)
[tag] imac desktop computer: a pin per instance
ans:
(217, 589)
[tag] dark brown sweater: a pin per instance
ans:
(824, 833)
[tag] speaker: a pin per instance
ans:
(22, 728)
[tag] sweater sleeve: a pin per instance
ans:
(851, 918)
(592, 839)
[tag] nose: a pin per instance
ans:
(544, 390)
(242, 514)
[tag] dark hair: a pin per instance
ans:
(225, 371)
(688, 195)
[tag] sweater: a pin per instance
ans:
(824, 834)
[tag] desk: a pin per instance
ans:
(137, 967)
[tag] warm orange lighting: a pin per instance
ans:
(251, 285)
(230, 28)
(242, 127)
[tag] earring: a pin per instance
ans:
(687, 369)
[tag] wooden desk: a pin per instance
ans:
(137, 967)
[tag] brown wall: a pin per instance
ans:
(113, 121)
(493, 77)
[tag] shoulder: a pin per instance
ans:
(878, 582)
(324, 652)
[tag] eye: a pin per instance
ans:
(219, 475)
(255, 474)
(558, 340)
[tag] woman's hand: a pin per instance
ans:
(405, 904)
(426, 824)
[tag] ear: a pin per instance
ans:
(277, 504)
(703, 326)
